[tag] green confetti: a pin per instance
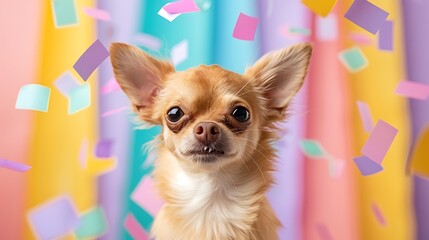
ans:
(64, 12)
(33, 97)
(79, 98)
(91, 224)
(312, 148)
(353, 59)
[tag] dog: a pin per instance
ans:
(215, 155)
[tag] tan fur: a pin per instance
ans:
(224, 199)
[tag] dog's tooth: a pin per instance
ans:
(206, 149)
(211, 150)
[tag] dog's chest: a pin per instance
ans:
(214, 205)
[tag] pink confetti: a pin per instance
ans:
(134, 228)
(16, 166)
(111, 86)
(97, 13)
(114, 111)
(181, 6)
(323, 232)
(379, 141)
(413, 90)
(378, 214)
(360, 38)
(365, 116)
(245, 28)
(147, 197)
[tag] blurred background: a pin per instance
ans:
(353, 157)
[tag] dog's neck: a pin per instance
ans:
(230, 195)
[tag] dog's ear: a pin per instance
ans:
(140, 77)
(280, 74)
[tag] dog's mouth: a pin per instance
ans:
(206, 154)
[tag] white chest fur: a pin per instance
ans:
(215, 205)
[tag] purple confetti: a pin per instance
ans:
(385, 36)
(16, 166)
(367, 166)
(54, 218)
(104, 149)
(91, 59)
(366, 15)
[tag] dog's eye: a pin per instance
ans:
(241, 114)
(174, 114)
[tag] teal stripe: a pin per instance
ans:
(231, 53)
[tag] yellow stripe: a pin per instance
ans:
(57, 136)
(375, 85)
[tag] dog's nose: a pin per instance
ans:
(207, 132)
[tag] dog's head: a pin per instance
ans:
(210, 116)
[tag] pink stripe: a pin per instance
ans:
(114, 111)
(378, 214)
(97, 13)
(134, 228)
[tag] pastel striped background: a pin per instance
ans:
(307, 198)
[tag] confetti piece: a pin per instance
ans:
(378, 143)
(97, 13)
(104, 148)
(91, 59)
(245, 27)
(320, 7)
(111, 86)
(385, 36)
(166, 15)
(327, 28)
(360, 38)
(134, 228)
(378, 214)
(353, 59)
(366, 15)
(336, 168)
(66, 83)
(182, 6)
(33, 97)
(323, 232)
(147, 40)
(54, 218)
(64, 12)
(16, 166)
(312, 148)
(83, 153)
(179, 52)
(92, 224)
(419, 160)
(114, 111)
(365, 115)
(413, 90)
(204, 4)
(305, 32)
(146, 196)
(367, 166)
(79, 99)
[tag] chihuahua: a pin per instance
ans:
(215, 155)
